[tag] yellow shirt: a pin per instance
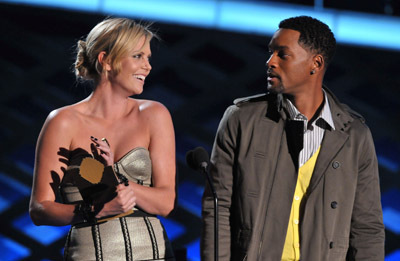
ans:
(291, 250)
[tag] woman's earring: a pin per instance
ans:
(312, 72)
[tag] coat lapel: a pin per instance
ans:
(331, 145)
(333, 140)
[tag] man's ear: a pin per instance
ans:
(318, 63)
(102, 58)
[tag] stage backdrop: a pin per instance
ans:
(196, 74)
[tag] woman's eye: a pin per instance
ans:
(137, 56)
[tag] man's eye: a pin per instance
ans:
(282, 54)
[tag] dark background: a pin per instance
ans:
(196, 74)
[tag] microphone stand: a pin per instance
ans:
(204, 170)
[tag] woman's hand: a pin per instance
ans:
(123, 202)
(101, 150)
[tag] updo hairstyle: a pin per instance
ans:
(116, 37)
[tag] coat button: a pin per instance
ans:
(331, 245)
(333, 204)
(336, 164)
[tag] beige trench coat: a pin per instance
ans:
(255, 179)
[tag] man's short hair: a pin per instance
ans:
(314, 35)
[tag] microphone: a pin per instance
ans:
(198, 159)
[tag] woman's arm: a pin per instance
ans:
(160, 198)
(54, 137)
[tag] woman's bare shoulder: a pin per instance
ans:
(155, 113)
(149, 106)
(65, 118)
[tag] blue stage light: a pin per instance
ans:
(193, 250)
(11, 250)
(11, 191)
(197, 13)
(191, 197)
(173, 229)
(394, 256)
(377, 31)
(25, 225)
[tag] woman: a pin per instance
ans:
(132, 138)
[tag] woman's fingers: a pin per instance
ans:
(127, 197)
(103, 150)
(123, 202)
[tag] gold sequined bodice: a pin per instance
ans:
(136, 166)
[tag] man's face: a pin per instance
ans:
(289, 64)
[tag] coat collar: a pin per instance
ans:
(334, 139)
(342, 115)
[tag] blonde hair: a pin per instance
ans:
(114, 36)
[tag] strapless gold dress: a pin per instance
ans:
(139, 236)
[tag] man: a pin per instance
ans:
(295, 171)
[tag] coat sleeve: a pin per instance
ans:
(367, 232)
(221, 171)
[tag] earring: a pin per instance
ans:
(312, 72)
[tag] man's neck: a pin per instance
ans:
(307, 103)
